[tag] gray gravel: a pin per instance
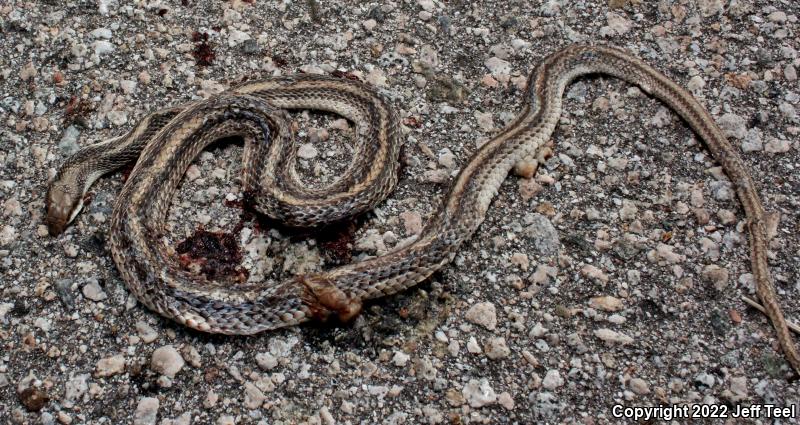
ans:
(613, 276)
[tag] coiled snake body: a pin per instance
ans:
(167, 141)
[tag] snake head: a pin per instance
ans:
(63, 204)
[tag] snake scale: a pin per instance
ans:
(164, 144)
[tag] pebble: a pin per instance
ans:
(606, 303)
(544, 235)
(499, 68)
(777, 146)
(479, 393)
(716, 275)
(211, 399)
(482, 314)
(496, 348)
(167, 361)
(146, 411)
(617, 25)
(102, 47)
(146, 332)
(93, 291)
(400, 359)
(752, 141)
(266, 361)
(253, 397)
(69, 141)
(75, 389)
(639, 386)
(369, 24)
(552, 380)
(485, 121)
(613, 337)
(506, 400)
(8, 234)
(236, 37)
(412, 222)
(447, 159)
(472, 346)
(110, 366)
(733, 125)
(101, 33)
(307, 151)
(127, 86)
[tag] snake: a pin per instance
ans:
(164, 144)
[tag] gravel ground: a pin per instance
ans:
(614, 276)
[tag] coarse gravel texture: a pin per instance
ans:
(614, 276)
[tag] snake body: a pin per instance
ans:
(167, 141)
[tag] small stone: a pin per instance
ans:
(496, 348)
(400, 359)
(236, 37)
(412, 222)
(369, 24)
(726, 217)
(613, 337)
(710, 7)
(752, 141)
(499, 68)
(71, 251)
(717, 275)
(696, 84)
(28, 72)
(606, 303)
(485, 121)
(33, 399)
(102, 47)
(617, 24)
(69, 141)
(479, 393)
(93, 291)
(101, 33)
(266, 361)
(552, 380)
(146, 332)
(521, 260)
(528, 188)
(211, 399)
(472, 346)
(593, 272)
(505, 400)
(110, 366)
(629, 211)
(253, 397)
(167, 361)
(489, 81)
(127, 86)
(8, 234)
(75, 389)
(790, 73)
(377, 77)
(777, 16)
(482, 314)
(543, 234)
(144, 77)
(733, 125)
(777, 146)
(307, 151)
(146, 411)
(639, 386)
(447, 159)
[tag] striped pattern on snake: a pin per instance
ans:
(170, 139)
